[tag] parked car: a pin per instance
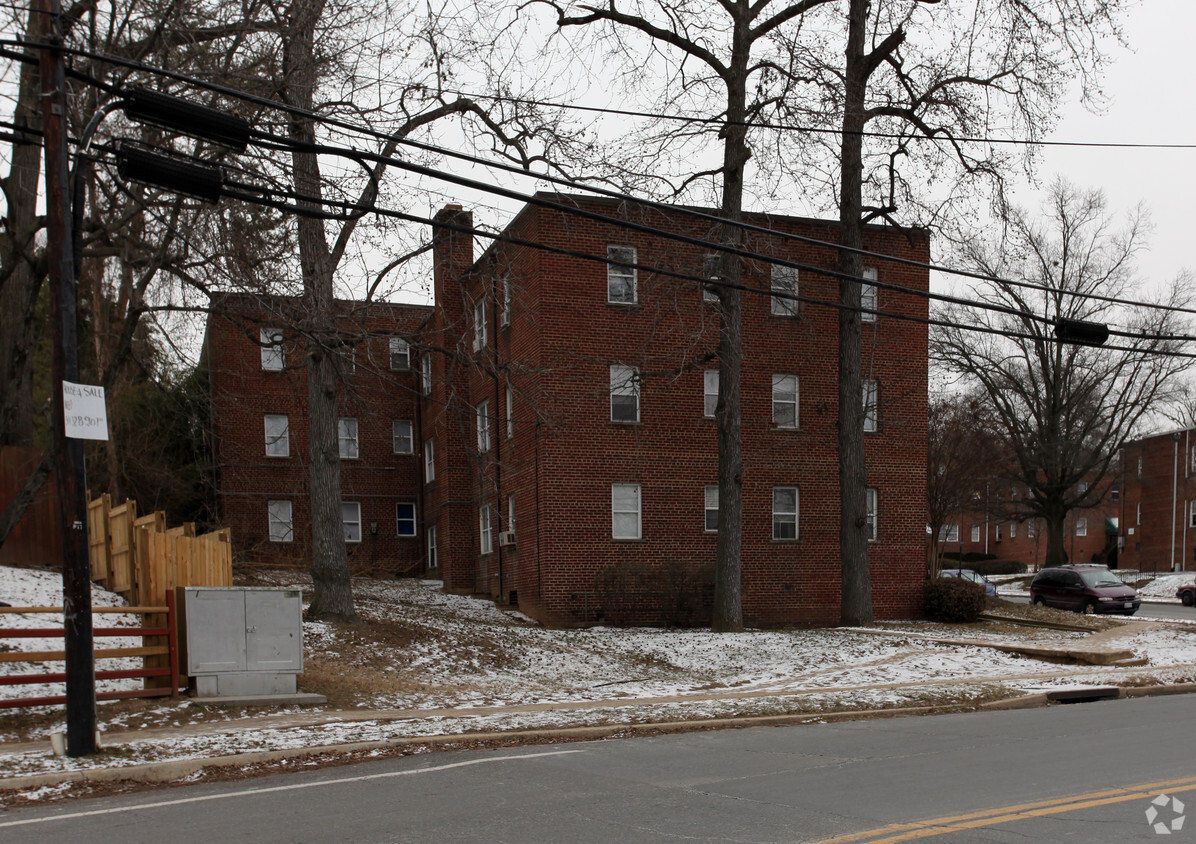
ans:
(1083, 588)
(974, 576)
(1187, 594)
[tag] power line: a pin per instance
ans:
(345, 125)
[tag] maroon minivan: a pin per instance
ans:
(1084, 588)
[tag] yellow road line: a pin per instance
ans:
(1007, 814)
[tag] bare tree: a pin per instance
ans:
(1063, 411)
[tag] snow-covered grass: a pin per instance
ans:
(421, 662)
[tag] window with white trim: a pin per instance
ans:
(351, 519)
(710, 271)
(425, 366)
(1139, 467)
(868, 297)
(711, 508)
(1013, 530)
(620, 275)
(429, 461)
(625, 522)
(273, 356)
(348, 359)
(400, 353)
(282, 525)
(1192, 513)
(784, 401)
(1031, 528)
(1081, 526)
(871, 404)
(479, 325)
(484, 426)
(485, 529)
(405, 518)
(870, 513)
(1192, 464)
(404, 437)
(624, 393)
(949, 533)
(784, 512)
(510, 413)
(709, 392)
(504, 315)
(784, 291)
(997, 532)
(278, 435)
(433, 555)
(346, 432)
(1114, 493)
(511, 512)
(975, 533)
(1138, 514)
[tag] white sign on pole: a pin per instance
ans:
(86, 415)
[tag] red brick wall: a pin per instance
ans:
(242, 393)
(566, 453)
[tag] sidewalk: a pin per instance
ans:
(143, 755)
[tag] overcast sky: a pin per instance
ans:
(1152, 102)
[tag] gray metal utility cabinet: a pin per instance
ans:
(241, 640)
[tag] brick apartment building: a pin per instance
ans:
(1145, 521)
(564, 425)
(258, 384)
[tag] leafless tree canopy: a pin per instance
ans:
(1063, 411)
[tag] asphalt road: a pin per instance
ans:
(1088, 772)
(1170, 612)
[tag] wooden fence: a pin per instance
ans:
(143, 561)
(159, 643)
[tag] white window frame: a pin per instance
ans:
(1013, 530)
(711, 509)
(869, 298)
(626, 511)
(1138, 514)
(480, 336)
(485, 529)
(351, 521)
(785, 395)
(278, 434)
(273, 354)
(400, 354)
(871, 399)
(709, 392)
(1192, 513)
(510, 412)
(785, 281)
(281, 520)
(483, 412)
(504, 314)
(949, 533)
(1114, 493)
(782, 516)
(425, 365)
(870, 504)
(403, 436)
(997, 533)
(347, 438)
(1139, 467)
(401, 522)
(621, 280)
(624, 383)
(511, 512)
(1082, 526)
(1031, 529)
(429, 461)
(433, 554)
(975, 533)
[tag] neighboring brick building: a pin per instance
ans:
(258, 382)
(574, 465)
(564, 422)
(1156, 505)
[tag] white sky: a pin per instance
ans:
(1151, 101)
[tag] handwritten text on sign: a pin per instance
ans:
(86, 415)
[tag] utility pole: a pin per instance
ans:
(68, 453)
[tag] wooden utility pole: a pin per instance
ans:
(68, 453)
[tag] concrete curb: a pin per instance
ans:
(159, 772)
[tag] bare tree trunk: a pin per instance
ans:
(333, 595)
(19, 290)
(856, 601)
(11, 515)
(1056, 552)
